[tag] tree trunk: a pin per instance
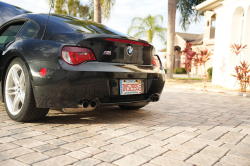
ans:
(172, 6)
(97, 11)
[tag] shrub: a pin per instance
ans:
(165, 71)
(210, 71)
(180, 70)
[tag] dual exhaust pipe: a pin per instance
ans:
(84, 106)
(155, 98)
(89, 103)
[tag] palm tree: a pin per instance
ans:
(172, 5)
(148, 27)
(97, 11)
(188, 15)
(102, 8)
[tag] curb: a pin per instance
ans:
(233, 93)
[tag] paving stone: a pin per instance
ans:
(79, 154)
(223, 164)
(7, 146)
(44, 148)
(177, 155)
(44, 137)
(57, 161)
(181, 148)
(4, 133)
(203, 160)
(191, 131)
(108, 156)
(239, 154)
(93, 142)
(92, 150)
(149, 164)
(153, 142)
(32, 158)
(12, 153)
(235, 161)
(138, 134)
(56, 152)
(117, 149)
(27, 134)
(12, 162)
(105, 164)
(120, 140)
(211, 135)
(6, 139)
(29, 142)
(132, 160)
(136, 145)
(73, 146)
(152, 151)
(232, 138)
(56, 142)
(215, 151)
(165, 161)
(195, 144)
(88, 162)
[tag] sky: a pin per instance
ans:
(122, 14)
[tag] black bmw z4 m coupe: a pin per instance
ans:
(73, 64)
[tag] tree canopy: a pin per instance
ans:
(148, 27)
(188, 14)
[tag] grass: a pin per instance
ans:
(184, 78)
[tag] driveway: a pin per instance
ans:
(185, 128)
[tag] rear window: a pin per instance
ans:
(67, 24)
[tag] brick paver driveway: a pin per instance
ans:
(185, 128)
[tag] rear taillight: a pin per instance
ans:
(156, 61)
(77, 55)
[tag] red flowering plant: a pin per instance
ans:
(189, 55)
(242, 71)
(200, 63)
(236, 48)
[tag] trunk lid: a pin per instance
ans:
(120, 50)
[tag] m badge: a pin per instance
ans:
(107, 53)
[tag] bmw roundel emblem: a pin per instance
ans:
(130, 50)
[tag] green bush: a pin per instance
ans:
(210, 71)
(180, 70)
(165, 71)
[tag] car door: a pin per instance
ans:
(8, 33)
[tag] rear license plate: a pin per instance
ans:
(128, 87)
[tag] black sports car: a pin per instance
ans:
(73, 64)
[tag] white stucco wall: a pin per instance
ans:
(227, 33)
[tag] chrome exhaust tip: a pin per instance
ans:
(155, 98)
(93, 104)
(85, 104)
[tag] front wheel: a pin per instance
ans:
(133, 106)
(18, 94)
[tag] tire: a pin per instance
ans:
(133, 106)
(19, 98)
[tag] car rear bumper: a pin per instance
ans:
(65, 86)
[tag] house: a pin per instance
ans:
(232, 26)
(200, 42)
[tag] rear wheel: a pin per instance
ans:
(133, 106)
(18, 94)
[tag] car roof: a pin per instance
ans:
(7, 11)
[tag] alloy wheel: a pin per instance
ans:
(15, 89)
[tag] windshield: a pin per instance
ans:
(68, 24)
